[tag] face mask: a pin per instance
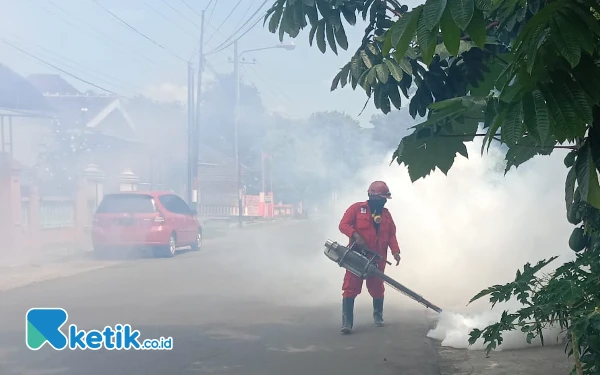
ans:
(376, 205)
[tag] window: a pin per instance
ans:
(175, 204)
(127, 203)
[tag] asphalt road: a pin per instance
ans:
(263, 301)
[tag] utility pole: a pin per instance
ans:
(191, 133)
(236, 120)
(196, 140)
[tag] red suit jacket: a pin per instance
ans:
(357, 218)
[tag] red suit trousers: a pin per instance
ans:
(352, 284)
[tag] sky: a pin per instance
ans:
(82, 38)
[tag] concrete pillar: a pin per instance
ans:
(33, 214)
(95, 179)
(10, 201)
(82, 213)
(128, 181)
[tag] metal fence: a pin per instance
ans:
(57, 213)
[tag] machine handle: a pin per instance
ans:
(369, 252)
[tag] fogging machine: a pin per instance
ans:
(363, 263)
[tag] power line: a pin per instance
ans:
(190, 8)
(77, 67)
(266, 81)
(225, 20)
(237, 38)
(218, 48)
(213, 10)
(126, 49)
(57, 68)
(245, 13)
(168, 19)
(208, 5)
(138, 32)
(181, 14)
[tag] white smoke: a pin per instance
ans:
(474, 228)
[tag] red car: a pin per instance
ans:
(158, 220)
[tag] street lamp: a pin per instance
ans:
(236, 77)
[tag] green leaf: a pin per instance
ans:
(489, 78)
(324, 7)
(405, 31)
(571, 51)
(594, 189)
(477, 29)
(342, 39)
(286, 25)
(344, 74)
(336, 81)
(491, 131)
(570, 187)
(366, 60)
(513, 125)
(535, 115)
(406, 67)
(529, 116)
(537, 38)
(331, 37)
(432, 13)
(312, 14)
(520, 153)
(534, 6)
(275, 19)
(424, 155)
(321, 36)
(394, 95)
(427, 54)
(356, 66)
(450, 32)
(582, 168)
(462, 12)
(394, 69)
(542, 115)
(349, 15)
(587, 177)
(370, 76)
(311, 34)
(384, 101)
(387, 44)
(579, 100)
(427, 40)
(371, 47)
(561, 126)
(383, 73)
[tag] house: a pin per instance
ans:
(101, 130)
(146, 137)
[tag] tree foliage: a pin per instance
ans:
(62, 159)
(526, 72)
(310, 158)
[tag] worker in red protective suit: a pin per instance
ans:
(369, 226)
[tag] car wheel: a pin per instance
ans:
(170, 248)
(197, 245)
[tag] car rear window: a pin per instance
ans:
(127, 203)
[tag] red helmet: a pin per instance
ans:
(379, 189)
